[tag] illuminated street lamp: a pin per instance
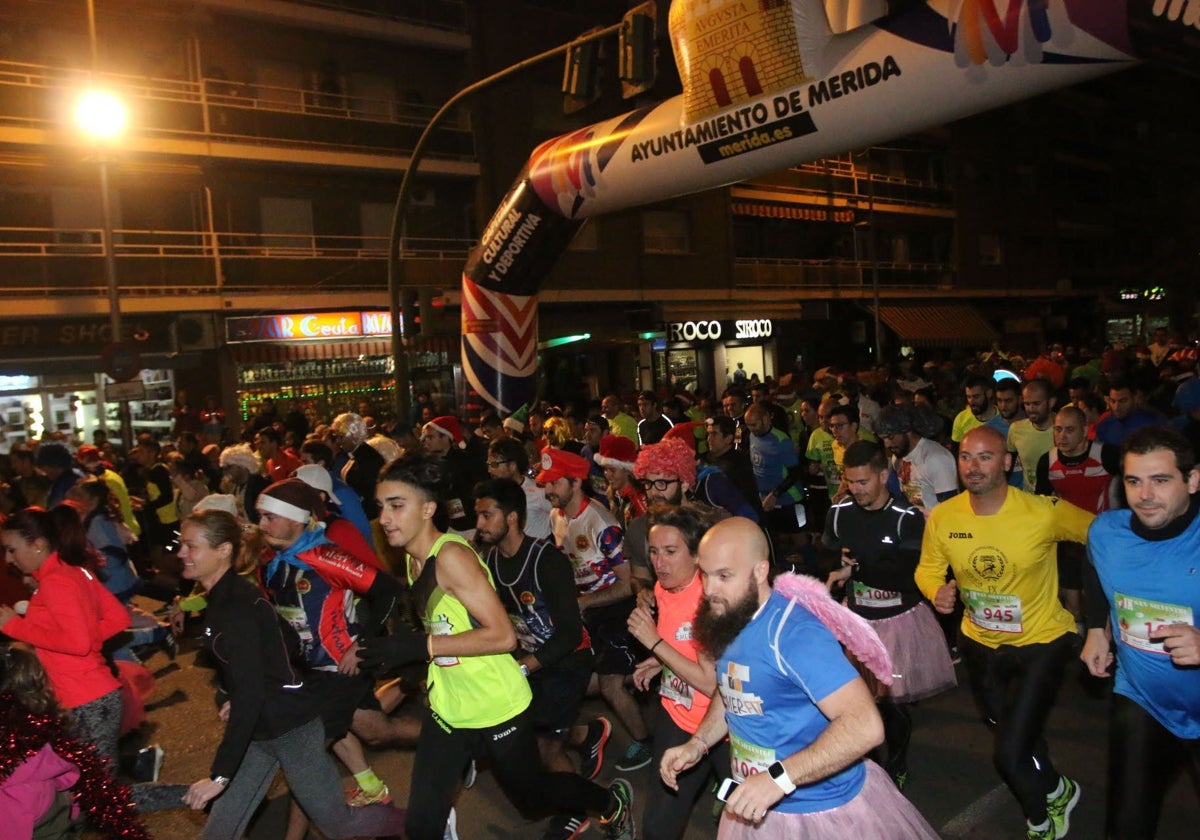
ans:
(102, 117)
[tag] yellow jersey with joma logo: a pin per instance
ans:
(1006, 565)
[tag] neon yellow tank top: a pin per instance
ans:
(471, 692)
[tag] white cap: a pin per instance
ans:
(317, 477)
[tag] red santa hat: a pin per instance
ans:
(448, 426)
(616, 451)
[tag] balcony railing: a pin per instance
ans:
(64, 262)
(839, 274)
(221, 110)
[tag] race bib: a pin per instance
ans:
(441, 626)
(674, 688)
(1137, 618)
(993, 610)
(298, 621)
(746, 759)
(867, 596)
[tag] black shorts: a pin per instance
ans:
(557, 694)
(616, 651)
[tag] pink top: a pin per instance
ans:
(676, 614)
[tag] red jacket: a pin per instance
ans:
(69, 618)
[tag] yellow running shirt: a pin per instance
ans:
(1005, 564)
(469, 692)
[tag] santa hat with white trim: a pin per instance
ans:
(448, 426)
(292, 499)
(616, 451)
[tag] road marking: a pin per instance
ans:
(965, 822)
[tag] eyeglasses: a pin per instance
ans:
(841, 425)
(657, 483)
(494, 464)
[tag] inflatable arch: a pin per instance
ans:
(768, 85)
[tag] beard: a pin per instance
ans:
(716, 632)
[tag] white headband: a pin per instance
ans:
(277, 506)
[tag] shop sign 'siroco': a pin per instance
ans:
(750, 328)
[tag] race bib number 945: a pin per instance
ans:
(993, 610)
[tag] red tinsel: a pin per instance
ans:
(107, 802)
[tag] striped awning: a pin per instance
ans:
(938, 325)
(767, 210)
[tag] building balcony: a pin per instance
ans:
(50, 271)
(232, 120)
(845, 278)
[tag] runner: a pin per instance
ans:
(688, 674)
(536, 584)
(1143, 567)
(478, 698)
(880, 540)
(1016, 638)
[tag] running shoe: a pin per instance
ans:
(563, 827)
(636, 757)
(361, 798)
(1046, 832)
(591, 751)
(618, 823)
(451, 826)
(1059, 807)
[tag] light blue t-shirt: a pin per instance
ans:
(771, 678)
(1147, 584)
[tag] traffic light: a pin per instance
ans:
(581, 75)
(637, 51)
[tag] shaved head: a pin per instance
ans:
(735, 569)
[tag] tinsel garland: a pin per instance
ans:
(107, 802)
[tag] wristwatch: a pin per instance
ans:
(780, 777)
(524, 670)
(223, 781)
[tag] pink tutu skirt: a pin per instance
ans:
(921, 664)
(879, 812)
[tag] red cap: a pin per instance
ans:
(558, 463)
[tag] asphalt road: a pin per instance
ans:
(951, 778)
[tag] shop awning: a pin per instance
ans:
(938, 325)
(768, 210)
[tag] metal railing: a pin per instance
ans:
(758, 273)
(225, 110)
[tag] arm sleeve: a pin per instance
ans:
(58, 624)
(166, 491)
(1096, 605)
(1043, 487)
(931, 569)
(243, 673)
(1071, 523)
(557, 580)
(380, 600)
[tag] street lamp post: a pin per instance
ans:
(102, 117)
(395, 290)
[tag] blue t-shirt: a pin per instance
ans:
(771, 456)
(771, 678)
(1148, 584)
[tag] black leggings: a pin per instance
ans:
(1143, 760)
(511, 748)
(1015, 688)
(667, 812)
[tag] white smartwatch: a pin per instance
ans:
(780, 777)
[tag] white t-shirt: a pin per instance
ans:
(927, 470)
(537, 510)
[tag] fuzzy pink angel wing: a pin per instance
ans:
(853, 631)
